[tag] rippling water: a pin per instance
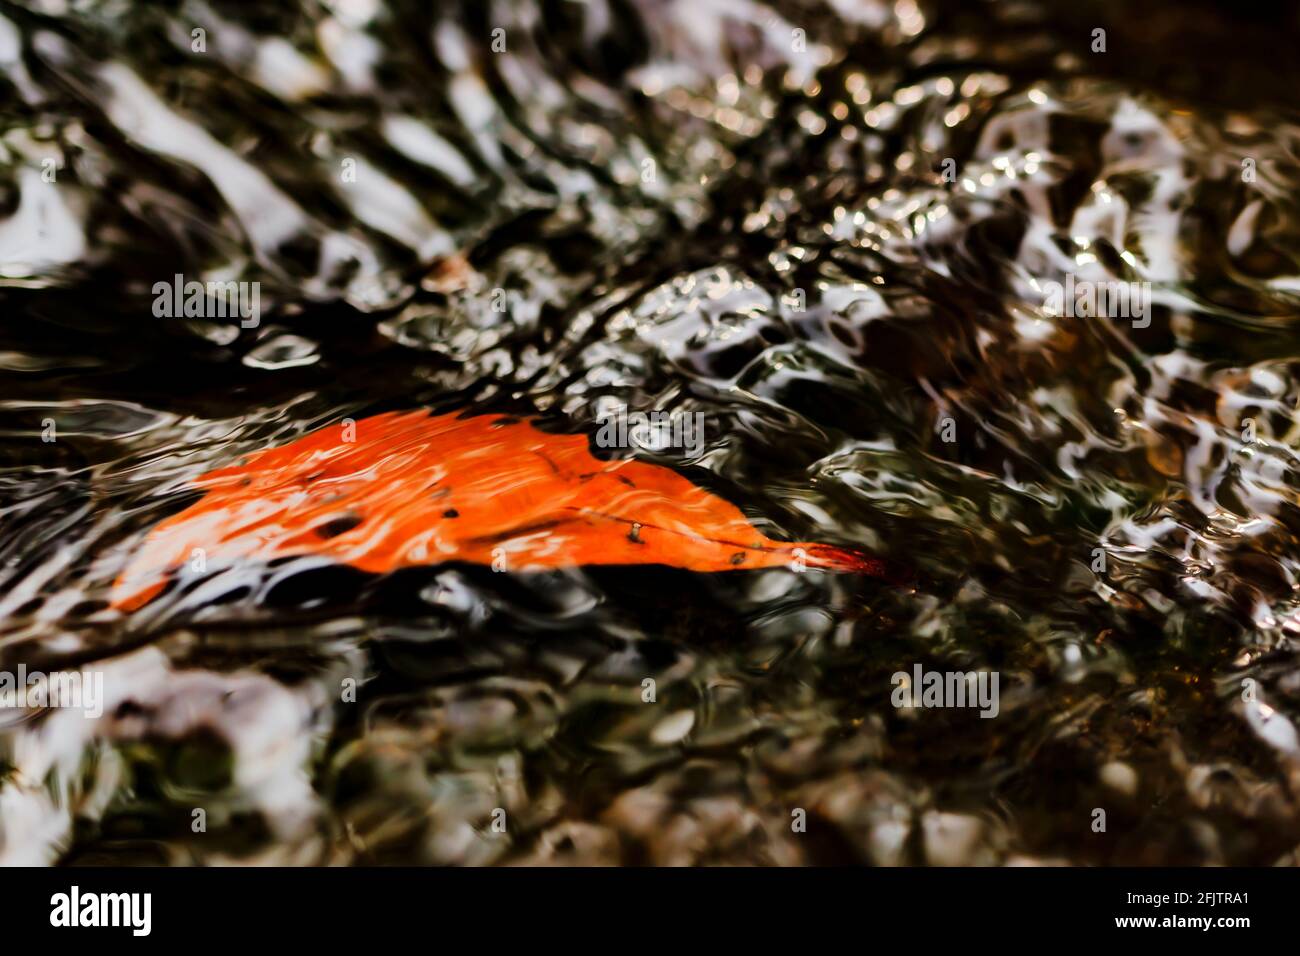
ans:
(829, 229)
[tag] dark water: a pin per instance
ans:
(684, 206)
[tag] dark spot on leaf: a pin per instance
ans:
(451, 513)
(332, 529)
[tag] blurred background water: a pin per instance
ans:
(827, 226)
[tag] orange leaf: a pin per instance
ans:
(415, 489)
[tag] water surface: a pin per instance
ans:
(829, 229)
